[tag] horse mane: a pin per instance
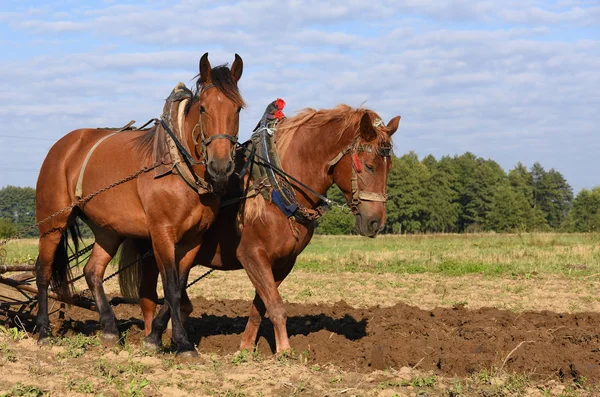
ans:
(348, 116)
(221, 78)
(144, 144)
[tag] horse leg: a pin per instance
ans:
(47, 249)
(148, 295)
(104, 249)
(186, 305)
(173, 285)
(258, 310)
(258, 268)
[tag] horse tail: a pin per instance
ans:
(60, 282)
(133, 253)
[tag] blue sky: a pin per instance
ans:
(508, 80)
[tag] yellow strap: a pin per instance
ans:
(78, 188)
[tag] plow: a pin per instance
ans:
(18, 291)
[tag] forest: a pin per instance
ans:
(458, 194)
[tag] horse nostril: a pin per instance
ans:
(374, 225)
(211, 167)
(229, 169)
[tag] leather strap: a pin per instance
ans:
(372, 196)
(79, 186)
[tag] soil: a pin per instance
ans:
(445, 341)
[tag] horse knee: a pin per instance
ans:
(278, 314)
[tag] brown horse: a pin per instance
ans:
(318, 148)
(166, 210)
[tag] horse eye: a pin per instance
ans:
(202, 110)
(239, 109)
(369, 167)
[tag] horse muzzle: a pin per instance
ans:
(369, 226)
(220, 170)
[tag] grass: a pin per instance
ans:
(455, 255)
(447, 254)
(23, 390)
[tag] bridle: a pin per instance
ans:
(204, 141)
(357, 195)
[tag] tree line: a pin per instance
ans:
(458, 194)
(466, 193)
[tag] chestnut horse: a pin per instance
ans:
(165, 210)
(318, 148)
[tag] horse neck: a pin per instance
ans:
(307, 157)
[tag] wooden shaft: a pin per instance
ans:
(28, 288)
(16, 268)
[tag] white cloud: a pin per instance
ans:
(509, 92)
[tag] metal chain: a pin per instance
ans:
(200, 278)
(81, 201)
(146, 255)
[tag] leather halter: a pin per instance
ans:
(357, 194)
(204, 141)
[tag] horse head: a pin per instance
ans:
(362, 173)
(217, 108)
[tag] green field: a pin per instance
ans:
(457, 254)
(447, 254)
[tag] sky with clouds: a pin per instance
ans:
(511, 80)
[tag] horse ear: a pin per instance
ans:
(237, 68)
(204, 69)
(367, 131)
(392, 126)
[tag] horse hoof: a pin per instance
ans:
(109, 340)
(187, 356)
(151, 346)
(44, 341)
(285, 353)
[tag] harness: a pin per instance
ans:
(357, 194)
(275, 185)
(170, 153)
(79, 185)
(180, 97)
(207, 141)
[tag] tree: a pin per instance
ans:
(585, 214)
(17, 204)
(336, 221)
(477, 180)
(7, 228)
(552, 194)
(441, 199)
(407, 206)
(521, 181)
(510, 210)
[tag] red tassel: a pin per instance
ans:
(357, 163)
